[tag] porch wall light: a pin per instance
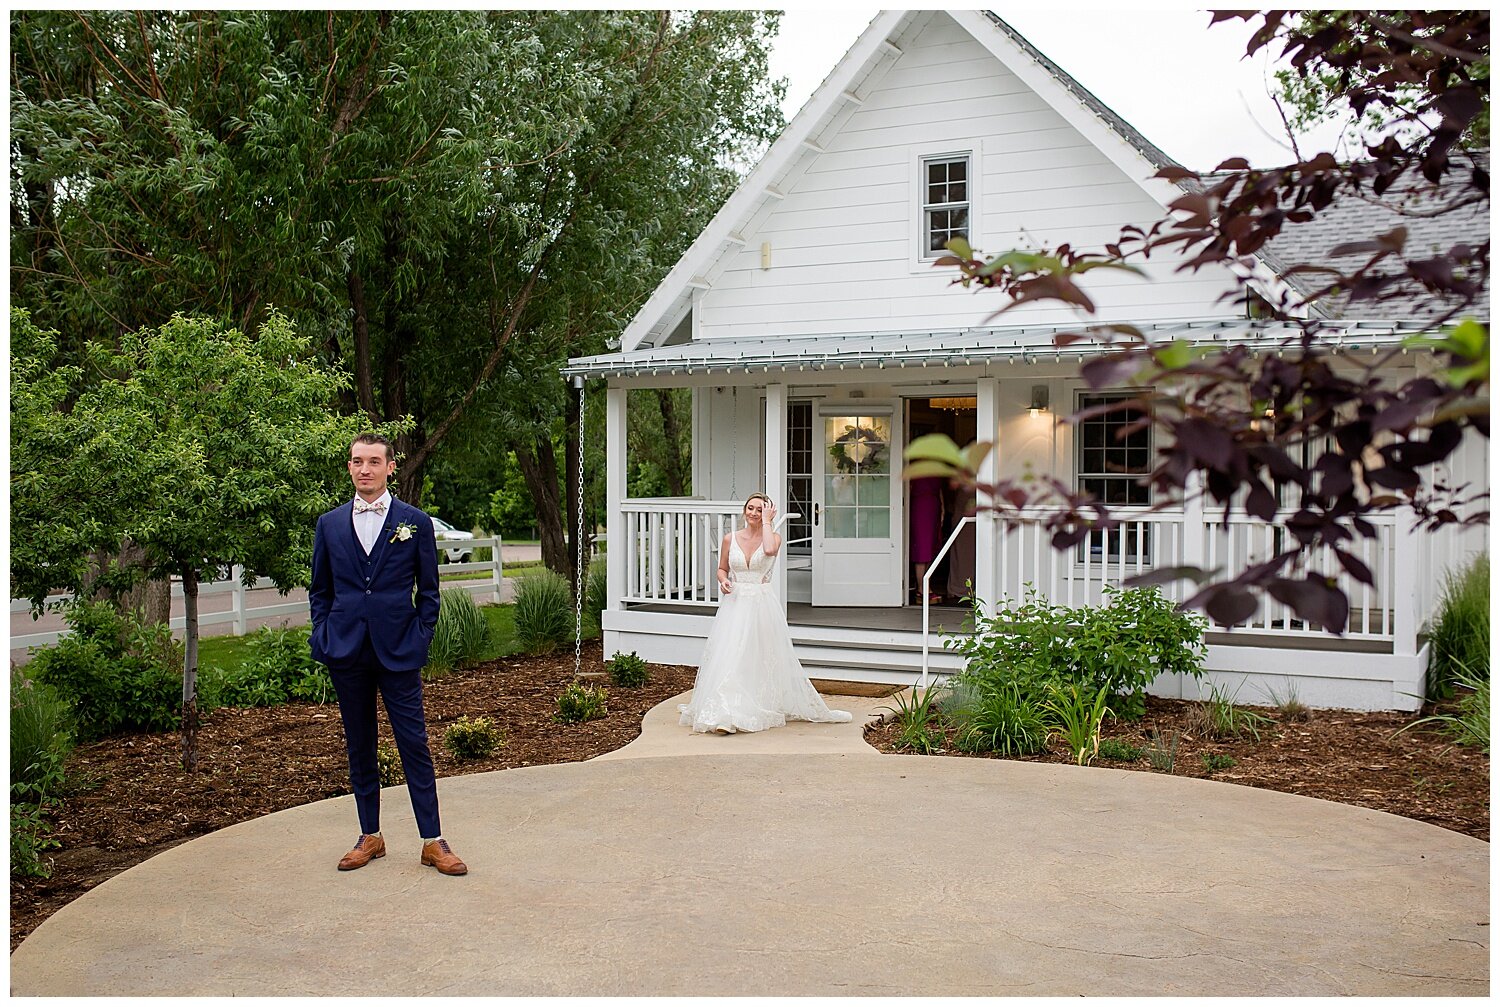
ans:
(1039, 399)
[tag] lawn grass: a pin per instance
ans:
(225, 652)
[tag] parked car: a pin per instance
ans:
(460, 551)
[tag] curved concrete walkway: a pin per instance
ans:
(743, 869)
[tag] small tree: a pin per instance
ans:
(207, 448)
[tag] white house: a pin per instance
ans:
(818, 340)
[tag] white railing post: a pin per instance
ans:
(621, 541)
(1404, 614)
(927, 595)
(1194, 530)
(986, 528)
(237, 574)
(776, 471)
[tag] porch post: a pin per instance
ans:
(986, 519)
(618, 549)
(1404, 614)
(776, 469)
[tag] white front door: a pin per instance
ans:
(856, 506)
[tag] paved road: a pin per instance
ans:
(752, 865)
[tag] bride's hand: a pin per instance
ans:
(769, 517)
(726, 587)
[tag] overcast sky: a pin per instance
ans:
(1162, 70)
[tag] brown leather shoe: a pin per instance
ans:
(366, 849)
(437, 854)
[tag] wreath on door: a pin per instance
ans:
(856, 448)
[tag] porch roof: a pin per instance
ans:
(955, 348)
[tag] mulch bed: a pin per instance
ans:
(129, 798)
(1336, 755)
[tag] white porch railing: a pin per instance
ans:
(240, 613)
(1143, 541)
(670, 548)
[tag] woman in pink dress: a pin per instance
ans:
(926, 526)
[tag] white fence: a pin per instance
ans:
(240, 614)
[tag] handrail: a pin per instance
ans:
(927, 594)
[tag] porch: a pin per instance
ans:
(669, 593)
(823, 428)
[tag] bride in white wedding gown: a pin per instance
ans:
(749, 678)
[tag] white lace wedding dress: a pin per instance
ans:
(749, 678)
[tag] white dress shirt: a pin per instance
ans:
(368, 524)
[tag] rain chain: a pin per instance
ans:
(578, 579)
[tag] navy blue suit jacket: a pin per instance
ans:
(354, 596)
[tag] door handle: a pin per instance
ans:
(817, 513)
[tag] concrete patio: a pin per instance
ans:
(798, 861)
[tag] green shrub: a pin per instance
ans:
(114, 672)
(388, 762)
(1460, 635)
(596, 592)
(544, 611)
(1116, 750)
(1471, 724)
(918, 719)
(1076, 714)
(1289, 708)
(29, 838)
(1003, 720)
(628, 670)
(1120, 647)
(1213, 762)
(460, 635)
(475, 738)
(278, 668)
(39, 738)
(579, 702)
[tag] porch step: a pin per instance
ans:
(875, 657)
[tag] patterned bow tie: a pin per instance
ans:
(360, 506)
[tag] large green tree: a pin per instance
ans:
(439, 198)
(202, 445)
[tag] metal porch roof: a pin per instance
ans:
(952, 348)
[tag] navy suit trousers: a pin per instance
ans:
(356, 686)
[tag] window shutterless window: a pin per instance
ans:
(946, 197)
(1110, 464)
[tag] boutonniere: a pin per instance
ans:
(402, 533)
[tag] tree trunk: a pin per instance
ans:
(676, 468)
(538, 464)
(363, 388)
(150, 600)
(190, 671)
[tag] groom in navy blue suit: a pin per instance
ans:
(374, 600)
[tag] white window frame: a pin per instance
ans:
(921, 260)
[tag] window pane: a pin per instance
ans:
(958, 170)
(838, 522)
(937, 194)
(937, 171)
(838, 491)
(875, 523)
(958, 219)
(957, 192)
(875, 491)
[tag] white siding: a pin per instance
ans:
(842, 255)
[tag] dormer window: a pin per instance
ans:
(946, 194)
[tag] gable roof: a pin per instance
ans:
(877, 49)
